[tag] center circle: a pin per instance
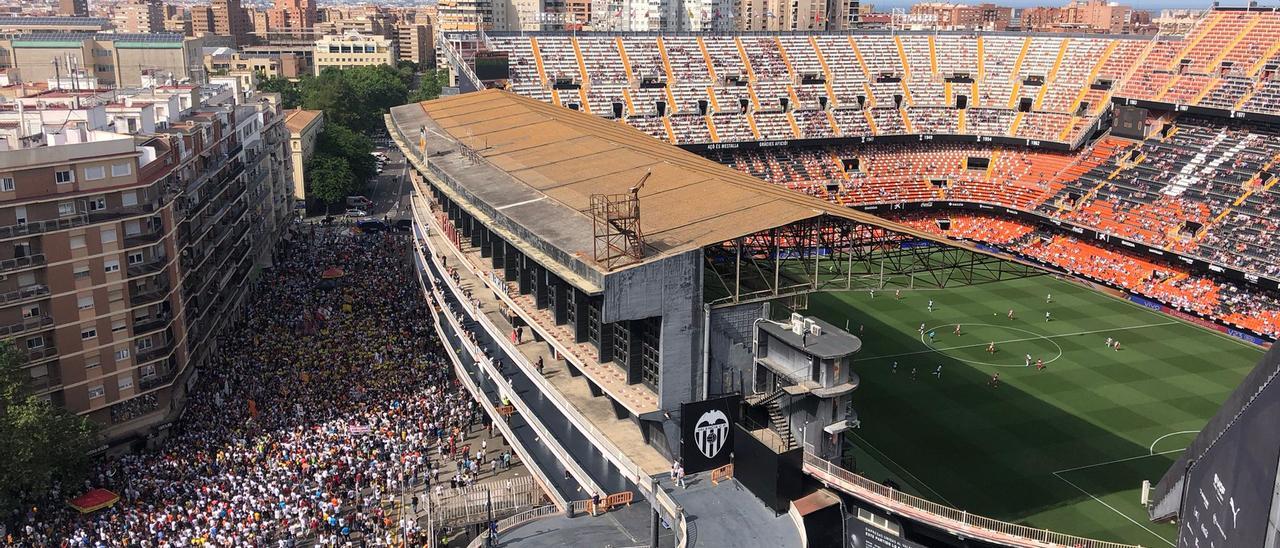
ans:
(951, 352)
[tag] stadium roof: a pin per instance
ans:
(543, 162)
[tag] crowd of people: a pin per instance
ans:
(319, 408)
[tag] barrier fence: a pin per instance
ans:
(957, 521)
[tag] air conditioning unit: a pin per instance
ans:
(814, 328)
(797, 323)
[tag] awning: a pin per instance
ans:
(840, 426)
(94, 500)
(815, 501)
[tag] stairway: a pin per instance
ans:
(778, 423)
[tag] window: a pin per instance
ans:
(122, 169)
(91, 362)
(31, 311)
(147, 371)
(96, 392)
(97, 203)
(125, 383)
(63, 177)
(111, 265)
(118, 325)
(20, 215)
(94, 173)
(91, 333)
(82, 272)
(108, 235)
(135, 257)
(35, 343)
(129, 199)
(6, 184)
(122, 354)
(84, 302)
(145, 344)
(77, 241)
(66, 209)
(115, 295)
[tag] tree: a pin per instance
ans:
(430, 85)
(290, 95)
(43, 444)
(356, 149)
(356, 97)
(331, 179)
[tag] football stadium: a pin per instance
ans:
(868, 289)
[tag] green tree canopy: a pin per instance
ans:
(430, 85)
(290, 94)
(355, 148)
(355, 97)
(43, 444)
(330, 179)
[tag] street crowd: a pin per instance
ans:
(325, 403)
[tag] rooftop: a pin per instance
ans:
(832, 342)
(542, 162)
(297, 119)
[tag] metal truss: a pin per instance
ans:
(836, 254)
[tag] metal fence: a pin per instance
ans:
(959, 521)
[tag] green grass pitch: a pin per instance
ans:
(1065, 448)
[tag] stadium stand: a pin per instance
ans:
(1198, 185)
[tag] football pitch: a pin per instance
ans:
(1065, 448)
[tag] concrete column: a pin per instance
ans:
(486, 242)
(540, 287)
(498, 246)
(511, 261)
(477, 232)
(524, 270)
(579, 316)
(559, 301)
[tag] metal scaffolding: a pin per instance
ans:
(828, 253)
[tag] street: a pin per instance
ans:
(390, 189)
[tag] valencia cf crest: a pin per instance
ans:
(711, 433)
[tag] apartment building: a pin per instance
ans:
(413, 42)
(304, 128)
(139, 16)
(130, 222)
(353, 50)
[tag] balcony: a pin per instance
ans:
(158, 351)
(149, 295)
(36, 354)
(40, 227)
(153, 381)
(149, 237)
(122, 212)
(24, 294)
(45, 383)
(30, 324)
(149, 267)
(151, 324)
(18, 263)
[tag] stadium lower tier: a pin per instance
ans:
(1198, 186)
(1167, 283)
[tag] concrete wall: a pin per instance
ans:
(670, 288)
(730, 342)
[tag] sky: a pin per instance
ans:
(1149, 5)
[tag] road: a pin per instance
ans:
(390, 189)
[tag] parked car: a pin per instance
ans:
(356, 212)
(358, 202)
(404, 225)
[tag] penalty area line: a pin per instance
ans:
(1113, 508)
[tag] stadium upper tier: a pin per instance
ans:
(691, 90)
(702, 90)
